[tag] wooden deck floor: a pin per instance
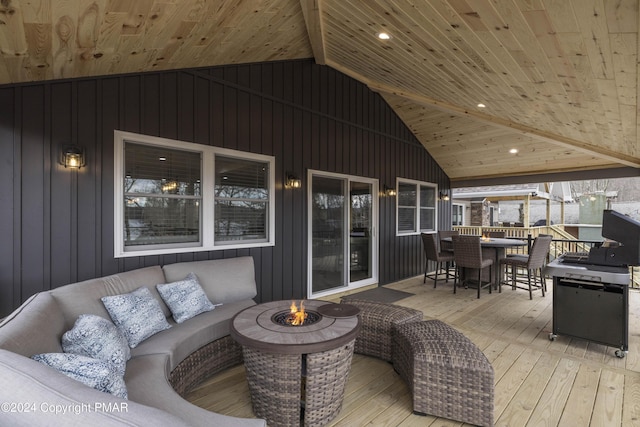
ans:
(567, 382)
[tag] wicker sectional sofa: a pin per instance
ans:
(161, 369)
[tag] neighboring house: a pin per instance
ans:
(479, 206)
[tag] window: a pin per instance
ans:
(173, 196)
(161, 196)
(416, 206)
(457, 214)
(241, 200)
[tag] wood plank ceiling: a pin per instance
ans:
(558, 78)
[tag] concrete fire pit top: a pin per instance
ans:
(254, 327)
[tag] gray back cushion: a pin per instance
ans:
(84, 297)
(223, 280)
(35, 327)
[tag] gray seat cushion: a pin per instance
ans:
(147, 385)
(182, 339)
(27, 381)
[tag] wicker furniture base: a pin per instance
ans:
(275, 386)
(203, 363)
(376, 322)
(294, 389)
(326, 379)
(448, 375)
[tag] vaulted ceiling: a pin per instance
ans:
(558, 78)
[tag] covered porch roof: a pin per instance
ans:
(530, 90)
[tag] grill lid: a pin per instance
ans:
(588, 272)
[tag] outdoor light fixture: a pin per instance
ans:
(169, 186)
(293, 181)
(444, 197)
(72, 157)
(390, 192)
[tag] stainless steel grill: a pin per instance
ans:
(591, 290)
(588, 272)
(591, 302)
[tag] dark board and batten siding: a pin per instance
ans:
(56, 225)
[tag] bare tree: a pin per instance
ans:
(579, 188)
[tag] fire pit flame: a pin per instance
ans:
(297, 317)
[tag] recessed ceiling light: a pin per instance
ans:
(513, 151)
(481, 105)
(384, 36)
(162, 159)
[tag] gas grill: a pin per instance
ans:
(605, 274)
(591, 290)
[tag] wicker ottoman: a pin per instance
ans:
(448, 375)
(376, 321)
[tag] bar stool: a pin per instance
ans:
(532, 263)
(468, 253)
(432, 253)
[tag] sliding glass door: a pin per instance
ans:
(342, 226)
(360, 235)
(328, 235)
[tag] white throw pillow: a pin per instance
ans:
(185, 298)
(137, 315)
(96, 337)
(95, 373)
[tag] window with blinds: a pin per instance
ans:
(174, 196)
(162, 195)
(241, 199)
(407, 207)
(427, 207)
(416, 207)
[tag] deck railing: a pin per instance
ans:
(562, 242)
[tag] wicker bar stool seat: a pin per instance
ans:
(448, 375)
(468, 254)
(376, 322)
(531, 263)
(431, 252)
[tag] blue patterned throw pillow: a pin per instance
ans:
(137, 315)
(95, 373)
(96, 337)
(185, 298)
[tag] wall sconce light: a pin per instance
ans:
(169, 186)
(292, 182)
(72, 157)
(389, 192)
(444, 197)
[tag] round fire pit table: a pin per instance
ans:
(297, 374)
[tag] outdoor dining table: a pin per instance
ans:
(493, 248)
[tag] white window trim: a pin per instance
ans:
(208, 184)
(417, 212)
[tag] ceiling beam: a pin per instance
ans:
(541, 135)
(313, 20)
(548, 177)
